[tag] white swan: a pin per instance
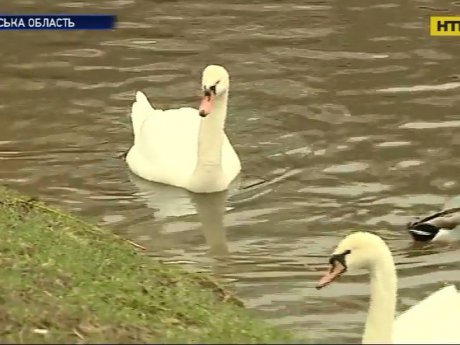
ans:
(434, 320)
(180, 148)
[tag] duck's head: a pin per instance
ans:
(215, 83)
(356, 251)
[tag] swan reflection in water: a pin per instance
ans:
(168, 201)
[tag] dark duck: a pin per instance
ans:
(439, 226)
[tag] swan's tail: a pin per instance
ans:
(140, 110)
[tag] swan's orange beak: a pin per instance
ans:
(205, 105)
(334, 272)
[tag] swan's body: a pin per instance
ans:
(440, 227)
(434, 320)
(180, 148)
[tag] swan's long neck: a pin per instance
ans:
(211, 134)
(380, 318)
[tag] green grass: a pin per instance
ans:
(65, 281)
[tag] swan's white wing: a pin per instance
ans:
(140, 111)
(165, 144)
(434, 320)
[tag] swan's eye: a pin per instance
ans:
(340, 258)
(214, 87)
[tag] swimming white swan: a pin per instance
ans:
(434, 320)
(180, 148)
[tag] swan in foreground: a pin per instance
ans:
(434, 320)
(440, 226)
(180, 148)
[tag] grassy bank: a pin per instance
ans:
(63, 280)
